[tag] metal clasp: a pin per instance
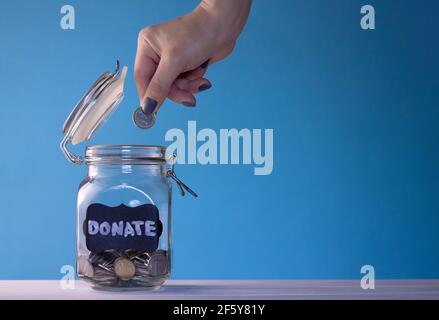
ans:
(73, 158)
(171, 173)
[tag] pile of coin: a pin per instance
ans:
(112, 268)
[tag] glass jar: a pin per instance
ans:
(124, 217)
(124, 203)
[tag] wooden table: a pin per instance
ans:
(230, 290)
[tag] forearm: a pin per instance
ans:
(229, 16)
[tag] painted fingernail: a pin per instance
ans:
(204, 86)
(205, 64)
(150, 105)
(188, 103)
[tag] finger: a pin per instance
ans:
(193, 86)
(181, 96)
(196, 73)
(160, 85)
(144, 69)
(145, 65)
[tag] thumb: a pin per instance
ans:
(159, 86)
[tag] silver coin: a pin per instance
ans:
(103, 275)
(95, 258)
(131, 254)
(141, 269)
(143, 258)
(143, 120)
(158, 265)
(105, 258)
(105, 267)
(85, 268)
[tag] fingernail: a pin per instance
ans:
(204, 86)
(205, 64)
(150, 106)
(188, 104)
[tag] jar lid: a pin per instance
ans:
(95, 107)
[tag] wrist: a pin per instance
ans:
(225, 18)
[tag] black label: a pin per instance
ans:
(121, 228)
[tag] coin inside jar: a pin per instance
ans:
(143, 120)
(85, 268)
(124, 268)
(158, 264)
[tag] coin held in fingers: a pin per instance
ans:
(143, 120)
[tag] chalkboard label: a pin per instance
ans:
(121, 228)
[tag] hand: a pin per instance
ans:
(172, 57)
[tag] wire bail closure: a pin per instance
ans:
(72, 157)
(171, 173)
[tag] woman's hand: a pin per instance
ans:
(172, 57)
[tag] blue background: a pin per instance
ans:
(354, 112)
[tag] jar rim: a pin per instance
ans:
(121, 153)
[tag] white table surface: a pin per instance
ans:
(233, 290)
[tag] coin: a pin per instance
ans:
(131, 254)
(142, 257)
(143, 120)
(103, 275)
(96, 259)
(124, 268)
(158, 265)
(104, 260)
(85, 268)
(141, 269)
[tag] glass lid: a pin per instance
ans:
(93, 110)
